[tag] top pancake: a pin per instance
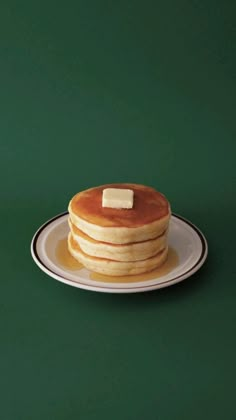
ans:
(149, 206)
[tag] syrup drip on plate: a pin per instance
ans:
(170, 263)
(69, 262)
(65, 258)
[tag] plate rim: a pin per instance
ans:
(135, 289)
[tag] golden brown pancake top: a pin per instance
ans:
(149, 206)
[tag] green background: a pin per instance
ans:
(94, 92)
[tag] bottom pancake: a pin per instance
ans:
(115, 268)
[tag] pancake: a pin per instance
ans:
(119, 241)
(119, 252)
(115, 268)
(148, 219)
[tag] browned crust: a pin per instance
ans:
(149, 206)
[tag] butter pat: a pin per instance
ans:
(118, 198)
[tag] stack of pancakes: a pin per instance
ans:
(119, 242)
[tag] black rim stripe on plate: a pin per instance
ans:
(34, 244)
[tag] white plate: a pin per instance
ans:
(184, 237)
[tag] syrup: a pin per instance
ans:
(65, 258)
(171, 262)
(69, 262)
